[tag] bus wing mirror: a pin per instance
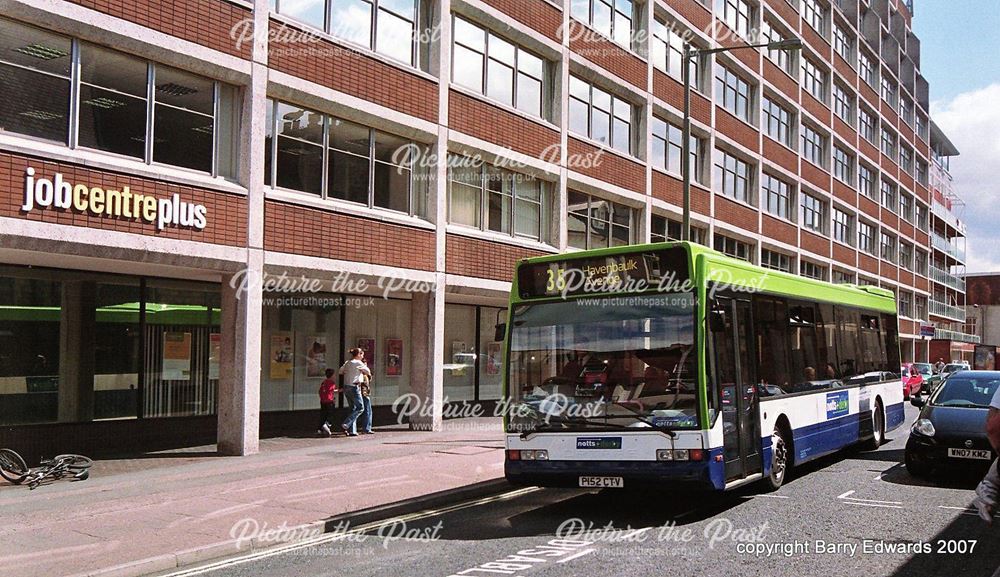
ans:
(501, 332)
(717, 321)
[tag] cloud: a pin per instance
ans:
(972, 122)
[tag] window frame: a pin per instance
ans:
(725, 171)
(611, 114)
(777, 201)
(843, 226)
(730, 86)
(772, 121)
(812, 212)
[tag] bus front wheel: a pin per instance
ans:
(878, 428)
(779, 460)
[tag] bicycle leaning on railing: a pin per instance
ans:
(14, 469)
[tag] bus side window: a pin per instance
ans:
(771, 331)
(891, 339)
(848, 344)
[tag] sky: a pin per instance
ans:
(960, 58)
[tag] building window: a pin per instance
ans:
(920, 307)
(597, 223)
(732, 176)
(777, 195)
(738, 14)
(777, 122)
(734, 248)
(921, 127)
(843, 43)
(843, 229)
(866, 68)
(888, 91)
(888, 143)
(386, 26)
(866, 181)
(358, 164)
(600, 116)
(663, 229)
(906, 110)
(866, 124)
(127, 105)
(813, 213)
(668, 148)
(922, 172)
(905, 308)
(843, 103)
(887, 247)
(782, 58)
(497, 200)
(841, 277)
(843, 165)
(814, 80)
(612, 18)
(813, 146)
(906, 255)
(812, 270)
(906, 206)
(814, 14)
(775, 260)
(921, 216)
(906, 159)
(920, 262)
(888, 195)
(866, 237)
(503, 71)
(668, 53)
(734, 92)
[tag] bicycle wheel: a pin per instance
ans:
(74, 463)
(12, 466)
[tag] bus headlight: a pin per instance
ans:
(923, 427)
(680, 454)
(541, 455)
(664, 455)
(534, 455)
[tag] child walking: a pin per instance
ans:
(327, 397)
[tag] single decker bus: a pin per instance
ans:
(674, 365)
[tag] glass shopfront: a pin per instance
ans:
(472, 359)
(79, 346)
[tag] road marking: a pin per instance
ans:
(772, 496)
(964, 510)
(879, 477)
(305, 543)
(580, 554)
(873, 505)
(843, 495)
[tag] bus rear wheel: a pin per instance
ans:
(779, 460)
(878, 428)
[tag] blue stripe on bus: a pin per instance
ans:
(825, 437)
(894, 416)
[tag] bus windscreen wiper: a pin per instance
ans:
(552, 425)
(642, 419)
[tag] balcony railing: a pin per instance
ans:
(947, 279)
(941, 243)
(942, 212)
(946, 334)
(944, 310)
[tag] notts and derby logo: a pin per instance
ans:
(118, 203)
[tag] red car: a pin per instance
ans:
(912, 380)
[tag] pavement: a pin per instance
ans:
(160, 511)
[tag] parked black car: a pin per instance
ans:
(951, 428)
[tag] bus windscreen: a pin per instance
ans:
(664, 270)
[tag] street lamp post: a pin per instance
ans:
(690, 53)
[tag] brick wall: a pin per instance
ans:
(493, 124)
(844, 254)
(816, 176)
(346, 70)
(313, 232)
(612, 168)
(868, 263)
(844, 192)
(666, 88)
(608, 55)
(226, 217)
(781, 155)
(735, 213)
(736, 129)
(815, 244)
(482, 258)
(536, 14)
(205, 22)
(782, 81)
(779, 230)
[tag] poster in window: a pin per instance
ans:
(281, 356)
(393, 357)
(315, 356)
(214, 355)
(493, 358)
(460, 358)
(368, 346)
(176, 356)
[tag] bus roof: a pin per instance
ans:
(713, 264)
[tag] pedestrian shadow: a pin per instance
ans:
(965, 548)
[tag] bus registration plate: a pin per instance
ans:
(602, 482)
(970, 454)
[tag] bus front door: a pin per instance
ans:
(733, 371)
